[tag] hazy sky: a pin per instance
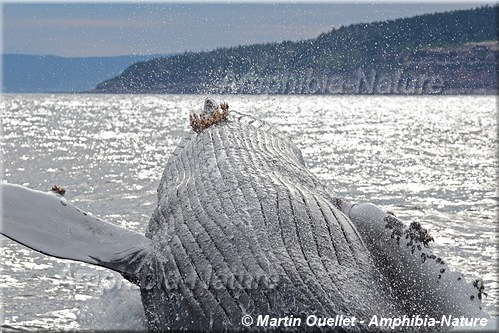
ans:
(111, 28)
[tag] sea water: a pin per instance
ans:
(427, 159)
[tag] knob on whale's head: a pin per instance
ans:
(213, 113)
(210, 105)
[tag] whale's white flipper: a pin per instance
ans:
(50, 224)
(403, 253)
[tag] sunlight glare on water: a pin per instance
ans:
(427, 159)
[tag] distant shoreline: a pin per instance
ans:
(449, 53)
(443, 53)
(470, 69)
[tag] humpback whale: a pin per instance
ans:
(243, 232)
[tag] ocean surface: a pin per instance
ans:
(427, 159)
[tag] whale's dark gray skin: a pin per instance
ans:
(243, 228)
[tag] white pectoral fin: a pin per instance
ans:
(48, 223)
(403, 254)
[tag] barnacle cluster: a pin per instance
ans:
(205, 120)
(58, 190)
(415, 234)
(421, 233)
(478, 284)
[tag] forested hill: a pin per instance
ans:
(451, 52)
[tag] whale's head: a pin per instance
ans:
(237, 206)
